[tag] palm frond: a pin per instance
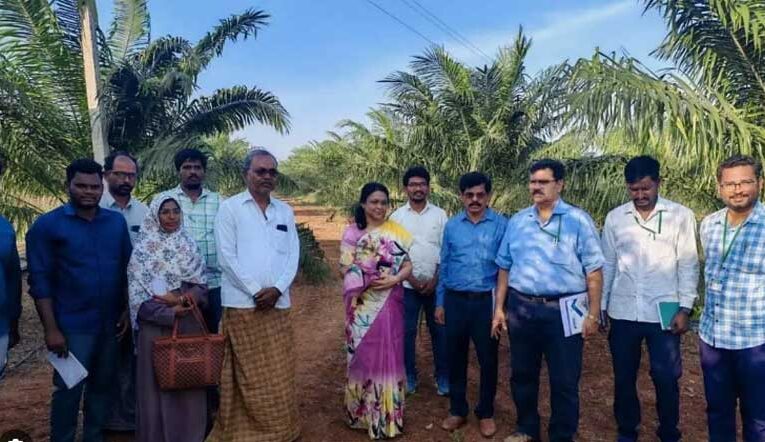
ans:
(129, 32)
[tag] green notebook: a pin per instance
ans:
(667, 311)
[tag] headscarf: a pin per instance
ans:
(157, 255)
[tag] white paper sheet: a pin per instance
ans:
(573, 310)
(70, 369)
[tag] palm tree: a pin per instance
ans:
(450, 118)
(149, 91)
(709, 106)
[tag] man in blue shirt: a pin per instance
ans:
(550, 250)
(10, 290)
(464, 299)
(77, 258)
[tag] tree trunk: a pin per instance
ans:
(89, 23)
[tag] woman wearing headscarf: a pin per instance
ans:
(165, 273)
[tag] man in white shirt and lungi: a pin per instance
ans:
(258, 252)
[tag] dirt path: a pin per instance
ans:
(318, 320)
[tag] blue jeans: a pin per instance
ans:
(414, 302)
(731, 376)
(626, 341)
(98, 353)
(468, 317)
(536, 330)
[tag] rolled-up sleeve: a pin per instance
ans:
(687, 261)
(443, 268)
(504, 260)
(40, 261)
(588, 245)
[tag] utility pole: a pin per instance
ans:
(89, 24)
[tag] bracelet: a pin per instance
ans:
(594, 318)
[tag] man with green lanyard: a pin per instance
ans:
(550, 251)
(651, 257)
(732, 328)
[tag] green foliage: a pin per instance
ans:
(313, 267)
(149, 104)
(448, 117)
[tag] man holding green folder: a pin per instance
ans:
(732, 328)
(649, 286)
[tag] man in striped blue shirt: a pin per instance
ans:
(732, 327)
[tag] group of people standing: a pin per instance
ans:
(478, 274)
(109, 275)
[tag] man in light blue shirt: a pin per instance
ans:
(550, 250)
(464, 299)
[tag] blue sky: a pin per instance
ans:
(323, 58)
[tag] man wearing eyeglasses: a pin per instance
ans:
(651, 261)
(120, 174)
(732, 328)
(259, 249)
(550, 251)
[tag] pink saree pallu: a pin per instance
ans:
(374, 327)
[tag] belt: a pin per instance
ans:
(542, 299)
(469, 295)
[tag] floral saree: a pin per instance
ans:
(374, 328)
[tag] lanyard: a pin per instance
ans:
(726, 252)
(652, 232)
(555, 236)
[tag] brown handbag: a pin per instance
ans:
(188, 362)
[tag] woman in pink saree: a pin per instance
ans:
(374, 263)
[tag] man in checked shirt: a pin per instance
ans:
(732, 326)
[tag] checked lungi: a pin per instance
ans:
(258, 395)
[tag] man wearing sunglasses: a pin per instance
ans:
(550, 251)
(732, 328)
(651, 264)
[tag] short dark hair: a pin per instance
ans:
(740, 160)
(640, 167)
(85, 166)
(109, 161)
(416, 171)
(558, 169)
(472, 179)
(184, 155)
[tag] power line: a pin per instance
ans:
(403, 23)
(456, 35)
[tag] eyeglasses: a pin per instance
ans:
(263, 172)
(540, 182)
(124, 175)
(732, 186)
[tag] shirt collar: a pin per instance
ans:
(409, 207)
(179, 191)
(661, 206)
(70, 210)
(108, 200)
(756, 217)
(248, 198)
(488, 215)
(560, 208)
